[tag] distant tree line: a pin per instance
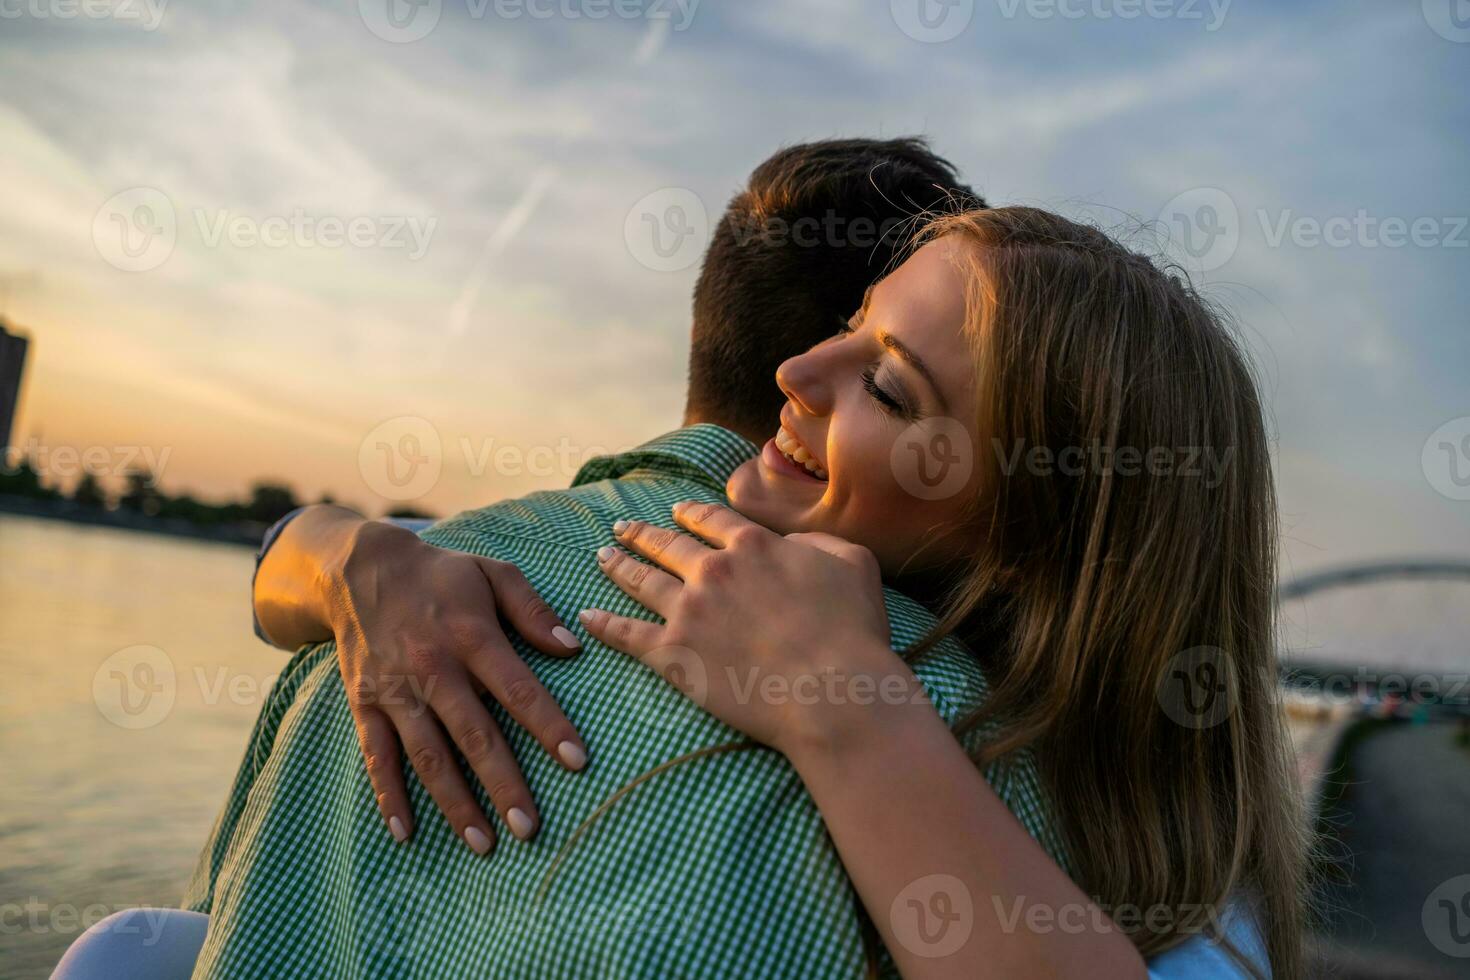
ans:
(266, 504)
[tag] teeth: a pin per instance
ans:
(796, 452)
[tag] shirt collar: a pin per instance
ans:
(706, 453)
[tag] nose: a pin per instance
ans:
(806, 380)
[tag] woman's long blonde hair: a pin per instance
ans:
(1101, 583)
(1108, 582)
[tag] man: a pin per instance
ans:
(671, 853)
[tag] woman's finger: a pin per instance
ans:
(677, 552)
(432, 758)
(509, 681)
(380, 751)
(525, 610)
(717, 524)
(635, 636)
(650, 585)
(479, 738)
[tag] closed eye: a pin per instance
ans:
(893, 404)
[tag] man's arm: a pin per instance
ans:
(417, 632)
(291, 580)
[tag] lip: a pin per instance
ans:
(775, 460)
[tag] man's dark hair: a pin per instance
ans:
(792, 256)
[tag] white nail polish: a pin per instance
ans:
(572, 754)
(566, 637)
(479, 843)
(519, 823)
(395, 827)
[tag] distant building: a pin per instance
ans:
(12, 364)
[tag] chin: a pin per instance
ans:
(752, 494)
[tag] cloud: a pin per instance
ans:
(527, 142)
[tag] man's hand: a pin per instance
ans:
(418, 642)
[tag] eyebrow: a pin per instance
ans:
(895, 345)
(915, 361)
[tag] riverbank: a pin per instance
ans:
(243, 533)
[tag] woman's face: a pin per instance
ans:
(877, 437)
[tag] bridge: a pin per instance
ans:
(1373, 572)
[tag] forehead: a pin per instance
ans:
(922, 304)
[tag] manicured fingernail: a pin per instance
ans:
(520, 824)
(565, 636)
(395, 827)
(479, 843)
(572, 754)
(606, 552)
(619, 527)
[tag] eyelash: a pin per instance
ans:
(891, 404)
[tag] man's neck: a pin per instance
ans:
(694, 416)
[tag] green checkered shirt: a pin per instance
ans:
(718, 867)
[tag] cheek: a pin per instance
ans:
(875, 509)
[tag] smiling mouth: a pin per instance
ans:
(790, 447)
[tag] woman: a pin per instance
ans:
(1090, 586)
(1078, 551)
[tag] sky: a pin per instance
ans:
(288, 241)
